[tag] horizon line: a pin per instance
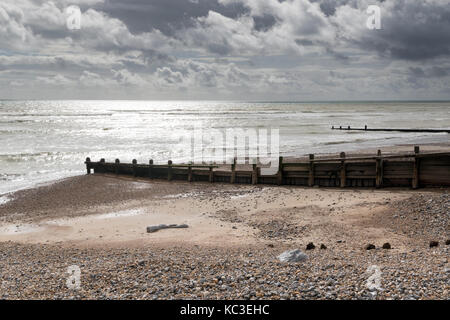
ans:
(240, 100)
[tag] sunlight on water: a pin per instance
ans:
(46, 140)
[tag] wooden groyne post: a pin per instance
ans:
(211, 174)
(415, 181)
(254, 174)
(280, 171)
(117, 168)
(169, 170)
(190, 173)
(379, 170)
(134, 167)
(311, 170)
(88, 165)
(233, 171)
(343, 170)
(150, 168)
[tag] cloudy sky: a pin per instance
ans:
(225, 49)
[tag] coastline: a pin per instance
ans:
(398, 148)
(231, 246)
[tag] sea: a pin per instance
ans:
(42, 141)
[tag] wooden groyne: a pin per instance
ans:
(348, 128)
(391, 170)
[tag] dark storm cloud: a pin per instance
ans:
(411, 30)
(168, 16)
(264, 22)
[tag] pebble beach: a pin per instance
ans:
(238, 259)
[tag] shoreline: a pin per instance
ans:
(399, 148)
(230, 249)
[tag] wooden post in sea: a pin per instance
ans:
(134, 167)
(150, 168)
(233, 171)
(169, 170)
(254, 174)
(365, 127)
(311, 170)
(117, 166)
(343, 170)
(211, 175)
(280, 171)
(415, 180)
(189, 173)
(379, 170)
(88, 165)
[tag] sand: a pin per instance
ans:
(113, 211)
(98, 222)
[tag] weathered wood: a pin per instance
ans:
(150, 168)
(134, 167)
(379, 171)
(343, 170)
(301, 167)
(117, 166)
(190, 173)
(233, 171)
(311, 170)
(88, 165)
(390, 156)
(415, 180)
(413, 169)
(254, 174)
(169, 170)
(280, 171)
(211, 174)
(102, 164)
(434, 171)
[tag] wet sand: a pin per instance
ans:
(109, 211)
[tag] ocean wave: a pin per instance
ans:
(27, 156)
(9, 114)
(346, 141)
(9, 176)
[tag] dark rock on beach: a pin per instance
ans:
(434, 244)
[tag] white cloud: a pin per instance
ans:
(303, 53)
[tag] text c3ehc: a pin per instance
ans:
(246, 309)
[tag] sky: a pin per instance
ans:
(276, 50)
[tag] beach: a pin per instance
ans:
(98, 223)
(224, 150)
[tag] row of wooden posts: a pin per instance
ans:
(409, 169)
(348, 128)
